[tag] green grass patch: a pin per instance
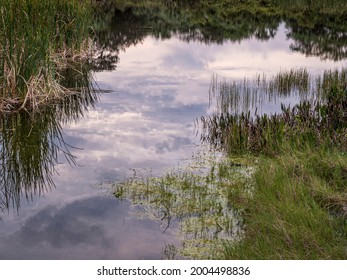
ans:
(298, 209)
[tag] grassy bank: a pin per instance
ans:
(298, 209)
(37, 40)
(317, 28)
(269, 6)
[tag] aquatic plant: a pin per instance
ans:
(198, 200)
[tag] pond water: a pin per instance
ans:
(150, 94)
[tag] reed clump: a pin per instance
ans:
(317, 121)
(37, 40)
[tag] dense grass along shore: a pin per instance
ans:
(37, 40)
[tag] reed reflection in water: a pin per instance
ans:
(32, 143)
(316, 116)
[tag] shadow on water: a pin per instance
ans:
(32, 143)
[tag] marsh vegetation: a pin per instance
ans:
(318, 119)
(298, 209)
(32, 143)
(278, 192)
(38, 41)
(270, 185)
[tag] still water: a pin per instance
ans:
(142, 117)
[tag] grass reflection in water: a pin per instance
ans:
(31, 142)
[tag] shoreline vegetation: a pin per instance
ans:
(280, 189)
(39, 40)
(298, 207)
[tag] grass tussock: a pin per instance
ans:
(37, 40)
(32, 143)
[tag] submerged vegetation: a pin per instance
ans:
(197, 197)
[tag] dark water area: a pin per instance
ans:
(151, 83)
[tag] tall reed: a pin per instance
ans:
(37, 38)
(321, 121)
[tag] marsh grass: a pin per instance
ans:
(319, 118)
(234, 97)
(298, 209)
(37, 40)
